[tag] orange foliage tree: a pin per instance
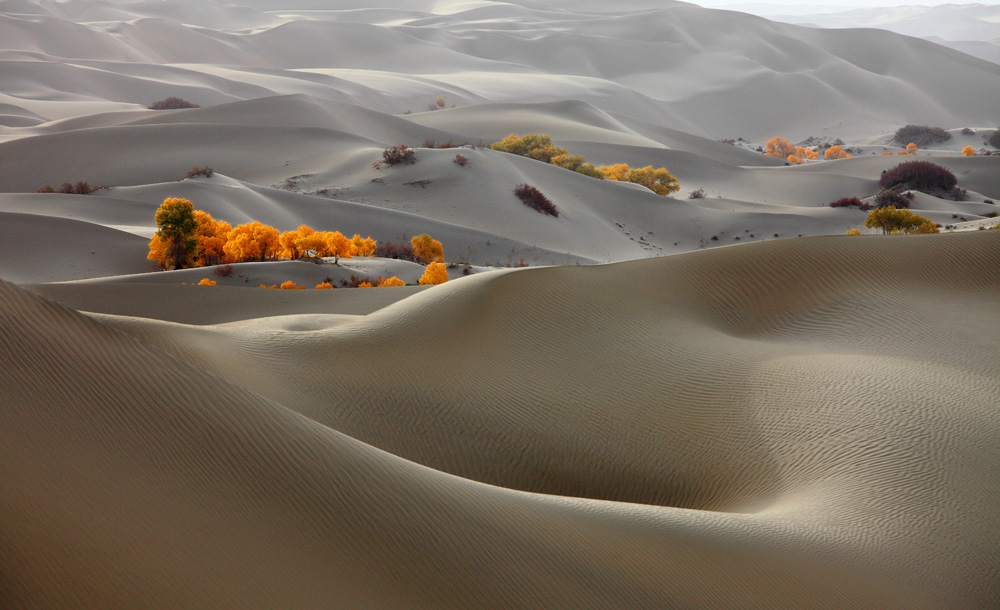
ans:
(363, 246)
(206, 282)
(435, 273)
(292, 242)
(290, 285)
(252, 241)
(324, 286)
(212, 236)
(336, 245)
(836, 152)
(779, 148)
(911, 149)
(427, 248)
(386, 282)
(968, 151)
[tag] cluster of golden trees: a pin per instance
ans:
(781, 148)
(895, 221)
(540, 147)
(186, 237)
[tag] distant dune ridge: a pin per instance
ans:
(782, 423)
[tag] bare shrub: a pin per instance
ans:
(194, 172)
(461, 160)
(395, 155)
(172, 103)
(921, 135)
(224, 270)
(403, 251)
(699, 194)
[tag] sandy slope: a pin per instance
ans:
(834, 455)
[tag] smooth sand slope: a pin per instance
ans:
(806, 423)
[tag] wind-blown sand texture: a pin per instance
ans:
(779, 423)
(787, 425)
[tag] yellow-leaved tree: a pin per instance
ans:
(892, 220)
(291, 242)
(386, 282)
(363, 246)
(336, 245)
(175, 243)
(836, 152)
(212, 236)
(324, 286)
(660, 181)
(968, 151)
(427, 248)
(911, 148)
(252, 241)
(779, 148)
(290, 285)
(206, 282)
(434, 273)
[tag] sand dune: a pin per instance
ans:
(778, 423)
(832, 456)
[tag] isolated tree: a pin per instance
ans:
(290, 285)
(175, 228)
(363, 246)
(891, 220)
(434, 273)
(324, 286)
(853, 232)
(212, 236)
(252, 241)
(427, 248)
(912, 149)
(386, 282)
(968, 151)
(779, 148)
(836, 152)
(206, 282)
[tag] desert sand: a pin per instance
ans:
(713, 403)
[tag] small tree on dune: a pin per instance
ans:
(836, 152)
(912, 149)
(435, 273)
(175, 243)
(386, 282)
(660, 181)
(427, 248)
(779, 148)
(968, 151)
(364, 246)
(337, 246)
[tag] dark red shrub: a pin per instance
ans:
(461, 160)
(403, 252)
(394, 155)
(920, 176)
(172, 103)
(533, 198)
(224, 270)
(968, 132)
(847, 202)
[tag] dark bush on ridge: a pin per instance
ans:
(172, 103)
(403, 252)
(850, 202)
(892, 198)
(921, 135)
(80, 188)
(920, 176)
(206, 171)
(534, 199)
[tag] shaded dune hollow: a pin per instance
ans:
(799, 423)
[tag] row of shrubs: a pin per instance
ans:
(186, 237)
